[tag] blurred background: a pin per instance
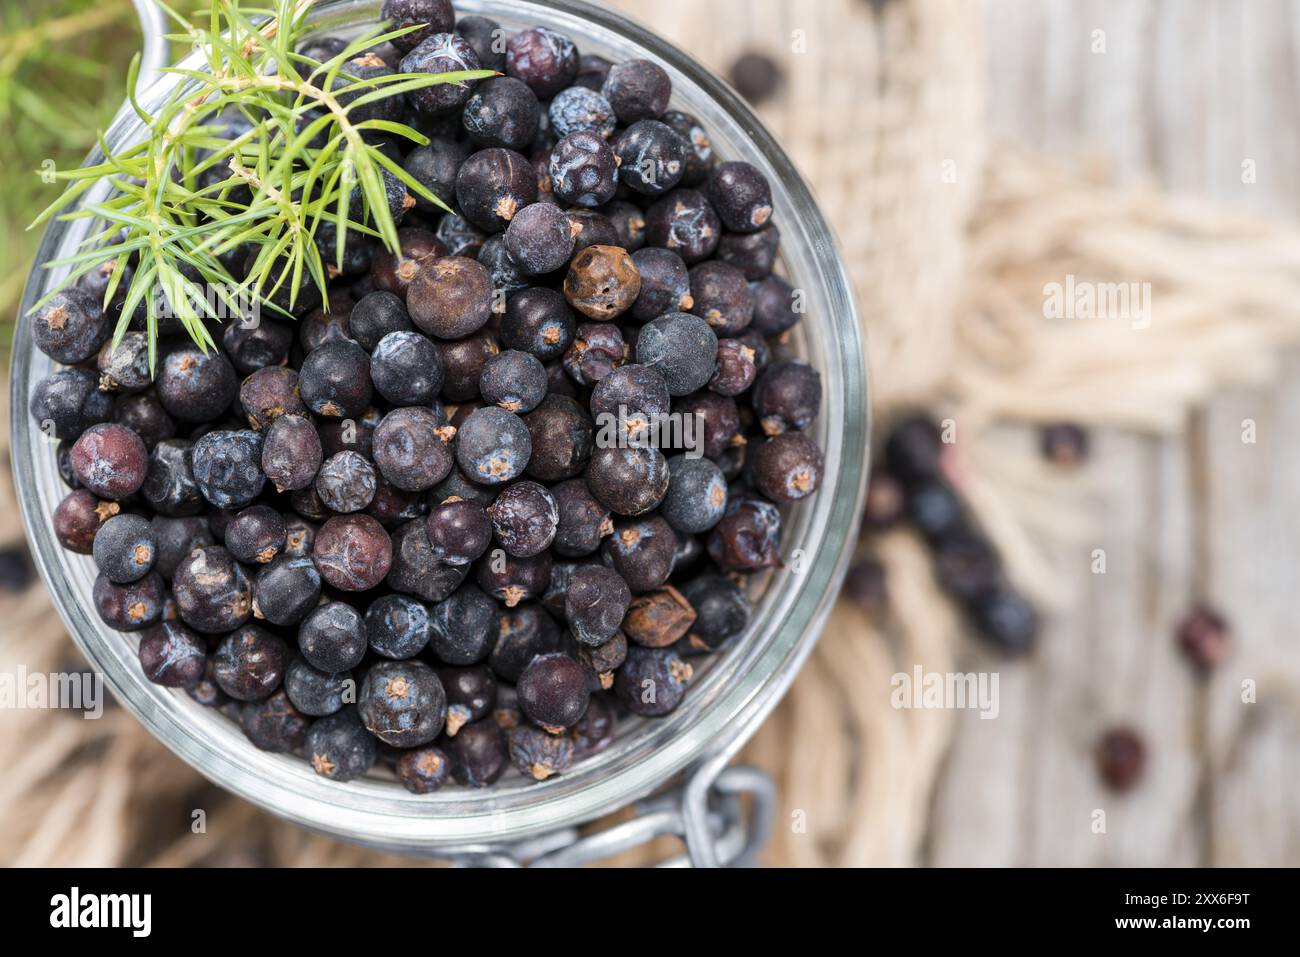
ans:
(1133, 471)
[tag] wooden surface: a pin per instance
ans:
(1185, 93)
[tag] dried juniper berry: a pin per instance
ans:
(71, 327)
(353, 552)
(346, 482)
(503, 112)
(323, 325)
(334, 380)
(665, 284)
(177, 537)
(249, 663)
(581, 110)
(681, 347)
(212, 591)
(748, 538)
(722, 297)
(110, 460)
(697, 494)
(627, 401)
(684, 222)
(642, 552)
(228, 467)
(339, 747)
(416, 571)
(471, 695)
(590, 228)
(538, 321)
(736, 369)
(299, 536)
(583, 520)
(169, 484)
(721, 611)
(66, 403)
(539, 239)
(131, 607)
(459, 237)
(286, 590)
(397, 626)
(506, 714)
(524, 519)
(463, 362)
(788, 395)
(553, 691)
(788, 468)
(510, 579)
(1007, 620)
(291, 453)
(477, 754)
(406, 369)
(522, 634)
(659, 618)
(651, 157)
(402, 703)
(462, 627)
(173, 656)
(603, 660)
(126, 368)
(493, 446)
(699, 147)
(256, 346)
(487, 38)
(274, 724)
(754, 254)
(493, 185)
(144, 415)
(1121, 758)
(1063, 443)
(194, 387)
(268, 394)
(459, 531)
(776, 306)
(411, 449)
(393, 506)
(602, 282)
(967, 566)
(376, 315)
(652, 682)
(595, 731)
(514, 380)
(583, 170)
(78, 518)
(451, 298)
(598, 348)
(596, 603)
(538, 753)
(256, 535)
(395, 271)
(741, 195)
(434, 166)
(628, 481)
(423, 770)
(1205, 638)
(637, 90)
(935, 509)
(125, 548)
(756, 76)
(629, 222)
(547, 61)
(440, 53)
(333, 637)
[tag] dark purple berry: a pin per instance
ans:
(652, 682)
(867, 585)
(581, 110)
(651, 157)
(596, 603)
(583, 170)
(252, 347)
(346, 482)
(1121, 758)
(406, 369)
(286, 590)
(697, 495)
(458, 236)
(699, 147)
(788, 395)
(512, 580)
(78, 518)
(722, 297)
(1008, 621)
(169, 484)
(629, 222)
(173, 656)
(339, 747)
(524, 519)
(1204, 637)
(637, 90)
(440, 53)
(776, 307)
(126, 368)
(451, 298)
(522, 634)
(130, 607)
(67, 403)
(538, 321)
(553, 691)
(256, 535)
(462, 627)
(788, 468)
(547, 61)
(353, 552)
(539, 239)
(539, 754)
(212, 591)
(487, 38)
(471, 695)
(71, 327)
(291, 453)
(228, 467)
(416, 571)
(721, 611)
(394, 272)
(754, 254)
(736, 369)
(748, 538)
(459, 531)
(583, 520)
(597, 350)
(335, 380)
(642, 551)
(332, 637)
(274, 724)
(402, 703)
(935, 509)
(376, 315)
(595, 731)
(628, 481)
(268, 394)
(756, 76)
(411, 449)
(125, 549)
(493, 185)
(431, 16)
(590, 228)
(741, 195)
(493, 446)
(463, 362)
(665, 284)
(514, 380)
(397, 627)
(503, 112)
(110, 460)
(1064, 443)
(423, 770)
(477, 754)
(685, 223)
(177, 537)
(682, 348)
(249, 663)
(194, 387)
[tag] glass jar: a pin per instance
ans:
(733, 693)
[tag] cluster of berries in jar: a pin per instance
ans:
(396, 531)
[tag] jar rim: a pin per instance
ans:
(737, 691)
